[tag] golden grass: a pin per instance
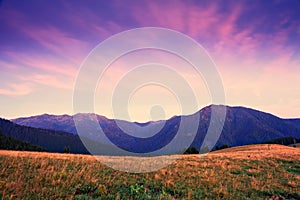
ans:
(259, 151)
(247, 172)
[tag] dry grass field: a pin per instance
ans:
(247, 172)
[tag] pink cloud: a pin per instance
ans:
(17, 89)
(59, 42)
(7, 65)
(216, 30)
(50, 80)
(48, 63)
(155, 14)
(92, 24)
(204, 21)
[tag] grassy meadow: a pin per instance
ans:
(248, 172)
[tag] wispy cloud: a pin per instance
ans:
(7, 65)
(44, 62)
(16, 89)
(50, 80)
(58, 42)
(229, 31)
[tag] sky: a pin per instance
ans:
(254, 45)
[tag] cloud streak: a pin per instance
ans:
(17, 89)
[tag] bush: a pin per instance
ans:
(224, 146)
(191, 150)
(66, 149)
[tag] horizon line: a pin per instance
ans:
(143, 122)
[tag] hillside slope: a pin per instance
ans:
(9, 143)
(50, 140)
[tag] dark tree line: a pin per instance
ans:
(9, 143)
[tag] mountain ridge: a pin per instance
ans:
(242, 126)
(145, 122)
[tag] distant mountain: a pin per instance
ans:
(248, 126)
(9, 143)
(242, 126)
(54, 122)
(54, 141)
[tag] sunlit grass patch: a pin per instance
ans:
(223, 175)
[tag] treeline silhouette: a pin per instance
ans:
(284, 141)
(9, 143)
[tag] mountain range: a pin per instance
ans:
(241, 126)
